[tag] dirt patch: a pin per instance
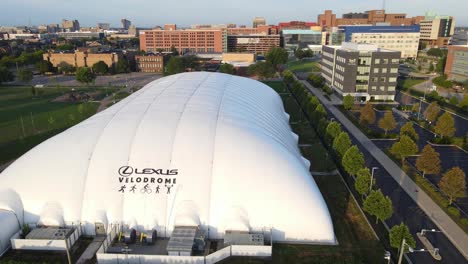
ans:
(75, 97)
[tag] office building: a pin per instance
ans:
(125, 23)
(81, 35)
(399, 38)
(259, 21)
(460, 37)
(151, 63)
(456, 67)
(436, 31)
(371, 17)
(254, 43)
(103, 26)
(295, 25)
(70, 25)
(185, 41)
(293, 39)
(363, 71)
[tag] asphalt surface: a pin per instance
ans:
(406, 210)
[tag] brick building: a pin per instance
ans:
(185, 41)
(363, 71)
(151, 63)
(436, 31)
(82, 58)
(456, 67)
(255, 43)
(371, 17)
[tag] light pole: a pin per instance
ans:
(419, 112)
(434, 251)
(372, 177)
(387, 256)
(429, 231)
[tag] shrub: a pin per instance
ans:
(453, 211)
(464, 221)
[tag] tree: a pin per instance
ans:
(440, 67)
(174, 51)
(367, 114)
(316, 80)
(378, 205)
(428, 162)
(453, 184)
(453, 100)
(408, 130)
(341, 143)
(445, 125)
(464, 102)
(387, 122)
(319, 113)
(404, 148)
(64, 68)
(122, 66)
(396, 235)
(175, 65)
(432, 111)
(353, 160)
(363, 181)
(227, 68)
(85, 75)
(435, 52)
(6, 75)
(261, 69)
(431, 67)
(348, 102)
(276, 56)
(332, 131)
(25, 75)
(100, 67)
(44, 66)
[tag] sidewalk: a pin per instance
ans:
(453, 232)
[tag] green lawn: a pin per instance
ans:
(408, 83)
(303, 66)
(27, 120)
(357, 244)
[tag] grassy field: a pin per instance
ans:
(357, 243)
(27, 120)
(408, 83)
(303, 66)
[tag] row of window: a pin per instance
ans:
(150, 65)
(382, 88)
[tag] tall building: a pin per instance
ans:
(371, 17)
(399, 38)
(103, 26)
(185, 41)
(125, 23)
(460, 37)
(436, 31)
(259, 21)
(70, 25)
(254, 43)
(363, 71)
(293, 39)
(456, 67)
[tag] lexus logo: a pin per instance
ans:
(125, 171)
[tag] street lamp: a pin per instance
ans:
(387, 256)
(429, 231)
(372, 177)
(419, 112)
(435, 251)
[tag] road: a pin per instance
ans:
(426, 85)
(411, 205)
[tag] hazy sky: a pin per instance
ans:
(187, 12)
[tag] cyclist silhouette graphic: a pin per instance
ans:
(146, 189)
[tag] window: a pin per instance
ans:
(382, 79)
(391, 88)
(374, 88)
(384, 70)
(393, 70)
(377, 61)
(392, 79)
(376, 70)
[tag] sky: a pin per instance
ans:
(149, 13)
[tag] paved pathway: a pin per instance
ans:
(91, 250)
(456, 235)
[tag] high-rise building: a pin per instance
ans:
(185, 41)
(259, 21)
(363, 71)
(70, 25)
(103, 26)
(460, 37)
(399, 38)
(436, 31)
(293, 39)
(456, 67)
(125, 23)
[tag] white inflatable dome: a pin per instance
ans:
(206, 149)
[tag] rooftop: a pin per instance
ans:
(301, 31)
